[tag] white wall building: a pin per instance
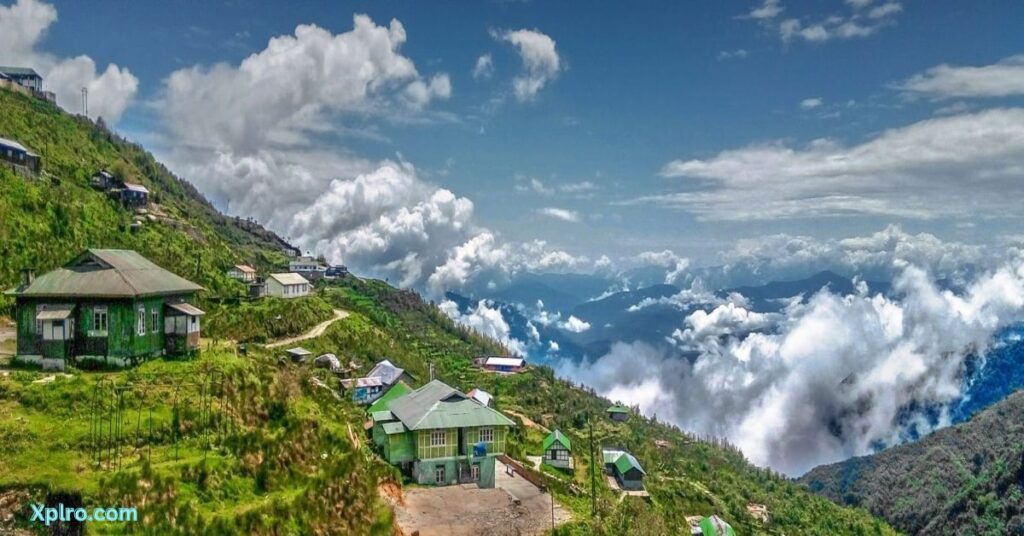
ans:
(288, 285)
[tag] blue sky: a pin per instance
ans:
(583, 164)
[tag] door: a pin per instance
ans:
(439, 475)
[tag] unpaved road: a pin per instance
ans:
(317, 331)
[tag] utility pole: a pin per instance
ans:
(85, 101)
(593, 479)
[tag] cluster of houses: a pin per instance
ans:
(25, 80)
(132, 196)
(295, 283)
(106, 306)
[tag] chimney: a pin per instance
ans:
(28, 275)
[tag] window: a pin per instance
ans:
(487, 435)
(140, 323)
(439, 475)
(99, 318)
(437, 438)
(154, 317)
(475, 472)
(563, 455)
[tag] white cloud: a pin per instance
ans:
(924, 170)
(24, 24)
(487, 320)
(739, 53)
(810, 104)
(484, 67)
(855, 23)
(541, 62)
(769, 9)
(575, 325)
(675, 264)
(576, 189)
(1002, 79)
(792, 399)
(562, 214)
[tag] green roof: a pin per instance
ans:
(715, 526)
(558, 436)
(617, 408)
(398, 390)
(391, 428)
(437, 405)
(622, 460)
(381, 416)
(107, 273)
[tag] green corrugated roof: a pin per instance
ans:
(622, 460)
(558, 436)
(437, 405)
(397, 390)
(381, 416)
(618, 409)
(107, 273)
(391, 428)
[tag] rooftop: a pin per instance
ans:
(559, 437)
(107, 273)
(622, 460)
(289, 278)
(18, 71)
(386, 371)
(437, 405)
(505, 361)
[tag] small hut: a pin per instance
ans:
(558, 450)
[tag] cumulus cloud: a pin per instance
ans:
(562, 214)
(484, 67)
(575, 325)
(541, 62)
(924, 170)
(739, 53)
(24, 24)
(792, 398)
(769, 9)
(485, 319)
(676, 265)
(1004, 78)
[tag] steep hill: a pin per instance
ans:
(967, 479)
(245, 444)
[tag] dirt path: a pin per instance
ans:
(528, 422)
(317, 331)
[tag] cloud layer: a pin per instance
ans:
(541, 62)
(837, 377)
(1002, 79)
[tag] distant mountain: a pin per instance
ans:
(559, 292)
(967, 479)
(770, 297)
(610, 307)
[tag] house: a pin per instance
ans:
(440, 436)
(558, 450)
(298, 354)
(504, 364)
(337, 270)
(106, 305)
(16, 154)
(104, 180)
(132, 196)
(258, 288)
(242, 272)
(480, 396)
(288, 285)
(379, 381)
(308, 267)
(23, 76)
(618, 413)
(625, 468)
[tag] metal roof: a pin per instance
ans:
(245, 268)
(505, 361)
(289, 278)
(557, 436)
(136, 187)
(107, 273)
(13, 144)
(187, 308)
(391, 428)
(397, 390)
(622, 460)
(381, 416)
(298, 351)
(618, 409)
(437, 405)
(18, 71)
(386, 371)
(481, 396)
(373, 381)
(55, 312)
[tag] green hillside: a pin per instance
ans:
(966, 479)
(243, 444)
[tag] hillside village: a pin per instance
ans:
(215, 377)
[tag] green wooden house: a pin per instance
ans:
(558, 450)
(105, 306)
(618, 413)
(438, 435)
(625, 468)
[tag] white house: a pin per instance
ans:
(288, 285)
(243, 272)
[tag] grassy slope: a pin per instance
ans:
(967, 479)
(283, 459)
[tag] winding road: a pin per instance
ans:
(317, 330)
